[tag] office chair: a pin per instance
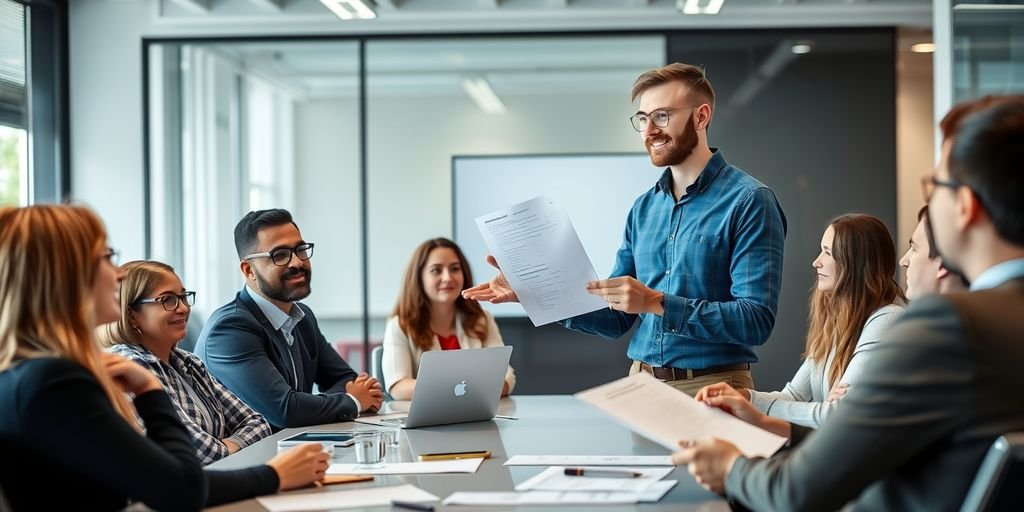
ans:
(4, 506)
(996, 487)
(376, 369)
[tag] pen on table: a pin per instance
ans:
(412, 505)
(602, 473)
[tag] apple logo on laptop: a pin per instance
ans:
(460, 388)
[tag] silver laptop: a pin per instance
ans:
(453, 386)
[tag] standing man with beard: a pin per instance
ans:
(701, 257)
(267, 348)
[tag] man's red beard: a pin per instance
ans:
(674, 151)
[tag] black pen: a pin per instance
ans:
(602, 473)
(412, 505)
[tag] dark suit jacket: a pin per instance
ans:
(243, 350)
(912, 433)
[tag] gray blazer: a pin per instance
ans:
(914, 430)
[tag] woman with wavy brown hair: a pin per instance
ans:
(431, 314)
(855, 301)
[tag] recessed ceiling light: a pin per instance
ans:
(923, 48)
(350, 9)
(694, 6)
(802, 47)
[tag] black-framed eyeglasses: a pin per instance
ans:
(170, 301)
(931, 182)
(111, 255)
(283, 255)
(659, 117)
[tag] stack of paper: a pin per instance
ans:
(553, 487)
(330, 499)
(408, 468)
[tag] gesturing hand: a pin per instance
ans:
(495, 291)
(627, 294)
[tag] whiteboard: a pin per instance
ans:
(597, 190)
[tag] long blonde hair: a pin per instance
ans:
(413, 307)
(140, 278)
(865, 281)
(49, 256)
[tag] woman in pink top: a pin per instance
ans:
(431, 314)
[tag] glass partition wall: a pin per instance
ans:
(356, 137)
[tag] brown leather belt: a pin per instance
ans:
(666, 373)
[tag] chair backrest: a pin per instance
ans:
(997, 486)
(376, 369)
(4, 506)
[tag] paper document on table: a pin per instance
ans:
(408, 468)
(330, 499)
(652, 494)
(666, 415)
(540, 498)
(589, 460)
(555, 479)
(542, 257)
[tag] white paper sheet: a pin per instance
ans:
(330, 499)
(666, 415)
(555, 479)
(540, 498)
(653, 494)
(408, 468)
(589, 460)
(542, 258)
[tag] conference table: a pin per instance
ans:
(542, 425)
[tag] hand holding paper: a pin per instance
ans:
(543, 261)
(667, 416)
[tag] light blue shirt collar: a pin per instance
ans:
(274, 314)
(999, 274)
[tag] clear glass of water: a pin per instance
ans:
(389, 436)
(369, 449)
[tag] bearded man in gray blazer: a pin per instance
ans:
(948, 380)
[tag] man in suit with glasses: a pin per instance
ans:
(267, 347)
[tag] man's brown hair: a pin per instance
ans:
(692, 76)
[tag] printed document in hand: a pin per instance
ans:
(542, 257)
(666, 415)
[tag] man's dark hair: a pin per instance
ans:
(247, 229)
(987, 155)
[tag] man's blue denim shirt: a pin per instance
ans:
(717, 256)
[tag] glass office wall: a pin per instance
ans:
(988, 49)
(13, 105)
(240, 127)
(431, 100)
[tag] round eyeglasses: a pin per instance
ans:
(170, 301)
(659, 117)
(283, 255)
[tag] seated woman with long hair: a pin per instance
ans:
(855, 301)
(155, 309)
(431, 314)
(70, 437)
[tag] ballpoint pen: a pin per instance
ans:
(602, 473)
(412, 505)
